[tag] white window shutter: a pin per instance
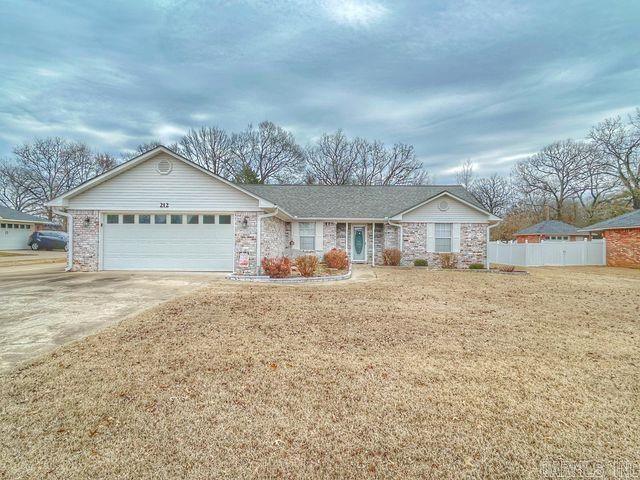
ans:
(319, 236)
(431, 237)
(295, 235)
(455, 237)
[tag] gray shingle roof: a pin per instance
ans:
(353, 201)
(549, 227)
(627, 220)
(7, 213)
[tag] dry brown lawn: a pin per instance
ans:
(411, 374)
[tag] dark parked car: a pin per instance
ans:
(48, 240)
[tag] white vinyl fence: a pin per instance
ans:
(548, 253)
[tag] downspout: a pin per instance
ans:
(69, 218)
(259, 236)
(486, 253)
(399, 225)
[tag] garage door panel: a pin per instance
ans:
(182, 247)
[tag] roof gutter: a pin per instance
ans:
(69, 218)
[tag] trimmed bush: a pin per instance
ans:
(448, 260)
(508, 268)
(476, 266)
(391, 256)
(420, 262)
(336, 258)
(277, 267)
(307, 265)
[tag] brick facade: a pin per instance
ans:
(86, 240)
(623, 247)
(273, 238)
(473, 243)
(329, 236)
(341, 236)
(246, 243)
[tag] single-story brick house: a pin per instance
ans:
(160, 211)
(550, 231)
(16, 226)
(622, 234)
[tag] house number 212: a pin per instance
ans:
(164, 204)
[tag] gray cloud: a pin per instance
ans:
(492, 81)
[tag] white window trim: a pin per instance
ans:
(308, 235)
(436, 237)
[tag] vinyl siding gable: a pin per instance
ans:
(457, 212)
(142, 188)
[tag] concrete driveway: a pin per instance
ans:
(42, 307)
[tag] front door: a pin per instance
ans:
(359, 244)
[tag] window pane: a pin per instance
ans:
(112, 218)
(176, 219)
(307, 228)
(15, 225)
(10, 225)
(28, 227)
(128, 219)
(160, 219)
(225, 219)
(144, 219)
(3, 225)
(22, 226)
(192, 219)
(208, 219)
(443, 245)
(307, 243)
(443, 230)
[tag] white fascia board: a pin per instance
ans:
(62, 200)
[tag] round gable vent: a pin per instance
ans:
(164, 166)
(443, 205)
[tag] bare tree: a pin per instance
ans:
(465, 176)
(331, 160)
(597, 185)
(145, 147)
(335, 160)
(211, 148)
(269, 151)
(620, 145)
(51, 166)
(494, 193)
(13, 193)
(555, 172)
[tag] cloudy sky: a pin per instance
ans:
(492, 81)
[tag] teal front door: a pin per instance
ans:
(359, 246)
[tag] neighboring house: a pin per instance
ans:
(15, 228)
(623, 239)
(160, 211)
(550, 230)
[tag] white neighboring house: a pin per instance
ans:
(160, 211)
(15, 228)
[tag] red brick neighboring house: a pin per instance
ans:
(550, 230)
(623, 239)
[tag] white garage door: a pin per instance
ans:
(14, 236)
(186, 242)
